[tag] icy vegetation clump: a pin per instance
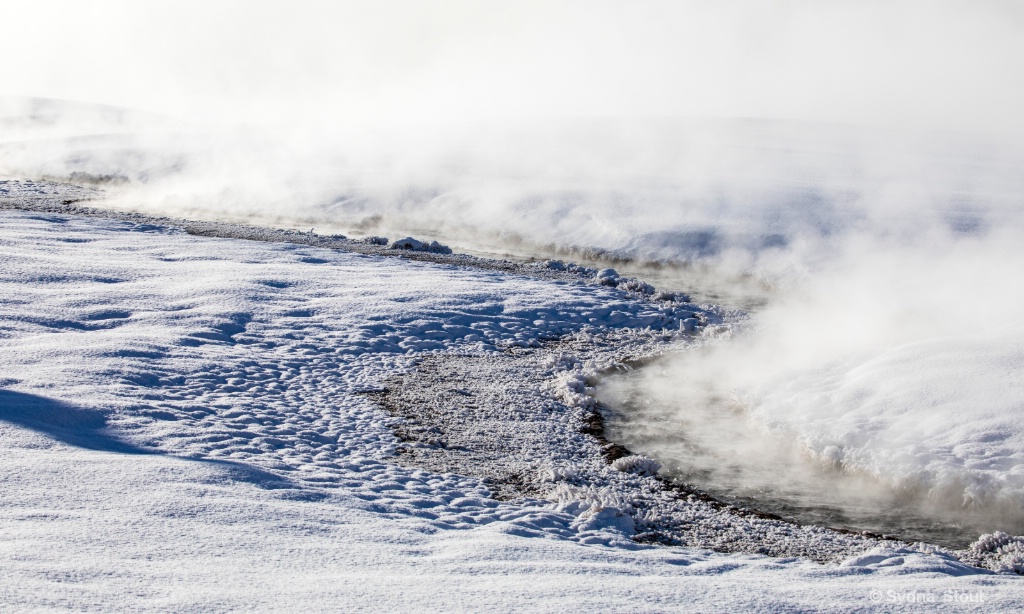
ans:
(999, 552)
(571, 381)
(97, 179)
(375, 240)
(638, 464)
(421, 246)
(579, 499)
(689, 325)
(560, 473)
(560, 361)
(571, 388)
(571, 267)
(630, 284)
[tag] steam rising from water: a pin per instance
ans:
(882, 392)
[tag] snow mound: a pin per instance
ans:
(595, 509)
(640, 465)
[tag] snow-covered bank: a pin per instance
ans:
(184, 427)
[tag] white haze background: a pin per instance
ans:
(862, 159)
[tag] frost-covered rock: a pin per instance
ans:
(669, 297)
(607, 277)
(569, 267)
(415, 245)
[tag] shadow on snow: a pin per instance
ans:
(87, 428)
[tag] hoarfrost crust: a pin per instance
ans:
(526, 421)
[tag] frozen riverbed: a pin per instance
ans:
(185, 425)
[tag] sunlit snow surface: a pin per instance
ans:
(180, 429)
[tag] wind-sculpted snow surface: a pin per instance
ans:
(230, 334)
(184, 424)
